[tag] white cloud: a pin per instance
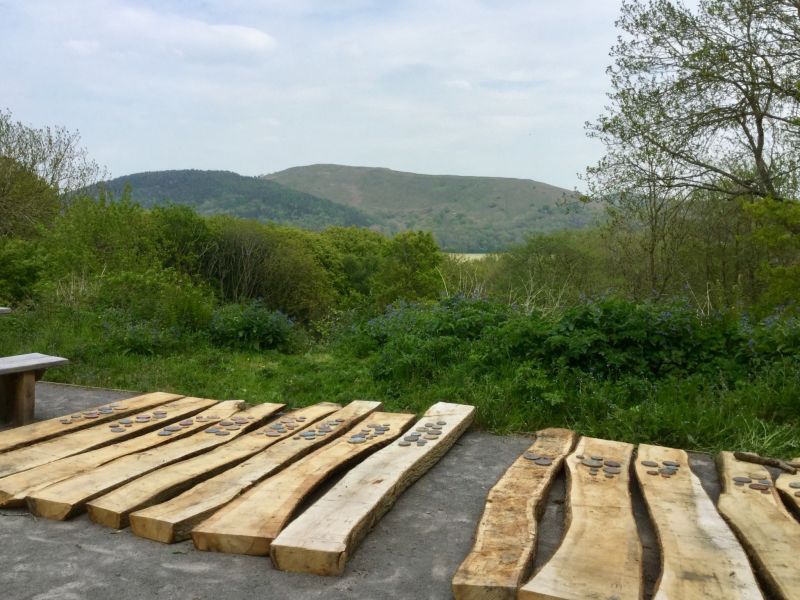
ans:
(256, 87)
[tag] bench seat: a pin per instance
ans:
(18, 377)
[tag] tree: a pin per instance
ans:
(715, 90)
(41, 171)
(409, 268)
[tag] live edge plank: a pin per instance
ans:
(322, 539)
(14, 489)
(98, 436)
(113, 509)
(68, 498)
(790, 495)
(600, 555)
(45, 430)
(174, 520)
(250, 523)
(700, 556)
(769, 534)
(505, 541)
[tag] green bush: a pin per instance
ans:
(251, 326)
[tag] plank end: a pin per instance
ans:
(313, 561)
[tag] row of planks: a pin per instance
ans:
(233, 493)
(704, 549)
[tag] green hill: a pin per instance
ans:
(467, 214)
(215, 192)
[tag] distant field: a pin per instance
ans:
(469, 257)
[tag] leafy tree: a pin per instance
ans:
(39, 168)
(410, 268)
(713, 89)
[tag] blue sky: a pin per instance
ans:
(495, 88)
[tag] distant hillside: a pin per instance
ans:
(467, 214)
(215, 192)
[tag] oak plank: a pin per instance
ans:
(98, 436)
(174, 520)
(502, 557)
(769, 534)
(41, 431)
(114, 508)
(14, 489)
(250, 523)
(322, 539)
(790, 495)
(68, 498)
(700, 556)
(600, 555)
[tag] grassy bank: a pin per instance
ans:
(657, 374)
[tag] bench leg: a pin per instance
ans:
(17, 398)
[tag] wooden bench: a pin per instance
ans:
(18, 377)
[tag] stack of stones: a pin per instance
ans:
(429, 431)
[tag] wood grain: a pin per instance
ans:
(700, 556)
(323, 538)
(502, 557)
(174, 520)
(769, 534)
(790, 495)
(600, 555)
(250, 523)
(114, 508)
(14, 489)
(68, 498)
(41, 431)
(98, 436)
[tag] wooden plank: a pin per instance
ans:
(29, 362)
(68, 498)
(502, 557)
(98, 436)
(14, 489)
(322, 539)
(4, 310)
(700, 556)
(769, 534)
(249, 524)
(52, 428)
(600, 555)
(790, 495)
(114, 508)
(173, 521)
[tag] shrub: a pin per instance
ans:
(251, 326)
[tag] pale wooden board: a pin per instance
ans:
(4, 310)
(769, 534)
(114, 508)
(68, 498)
(700, 556)
(29, 362)
(173, 521)
(790, 495)
(502, 557)
(45, 430)
(98, 436)
(14, 489)
(322, 539)
(250, 523)
(600, 555)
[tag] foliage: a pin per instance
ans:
(409, 269)
(251, 326)
(465, 214)
(222, 192)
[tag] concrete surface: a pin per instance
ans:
(412, 553)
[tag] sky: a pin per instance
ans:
(461, 87)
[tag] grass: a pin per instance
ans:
(755, 414)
